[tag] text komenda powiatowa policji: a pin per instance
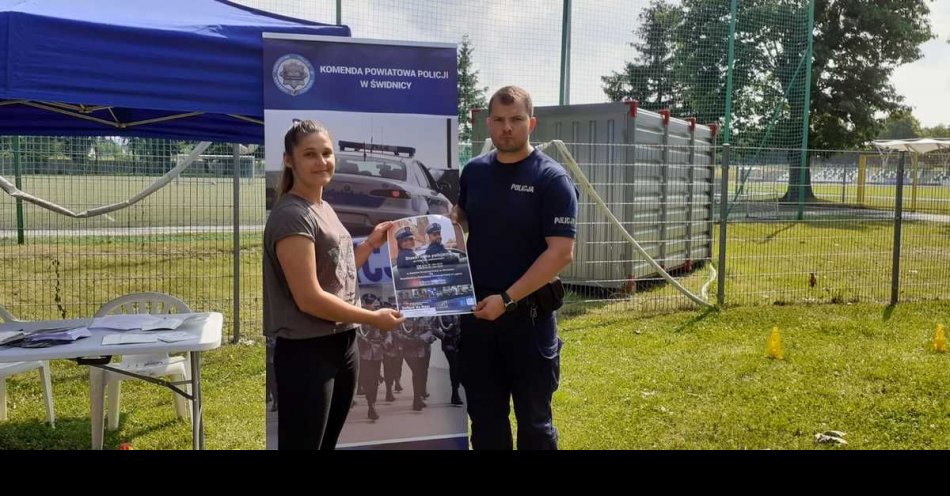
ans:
(384, 72)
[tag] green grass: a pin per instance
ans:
(59, 279)
(686, 380)
(232, 388)
(693, 380)
(771, 264)
(929, 199)
(188, 201)
(208, 201)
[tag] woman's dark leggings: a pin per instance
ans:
(316, 382)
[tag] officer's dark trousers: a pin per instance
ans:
(369, 379)
(453, 358)
(514, 357)
(392, 370)
(425, 385)
(419, 375)
(316, 381)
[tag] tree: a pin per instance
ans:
(470, 94)
(857, 45)
(938, 131)
(901, 125)
(154, 154)
(77, 148)
(107, 147)
(650, 80)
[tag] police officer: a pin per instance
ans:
(415, 339)
(520, 208)
(405, 240)
(392, 362)
(370, 342)
(436, 252)
(446, 328)
(434, 232)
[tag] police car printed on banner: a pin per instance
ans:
(377, 182)
(293, 74)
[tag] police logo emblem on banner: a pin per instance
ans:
(293, 74)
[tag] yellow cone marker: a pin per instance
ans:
(775, 345)
(940, 340)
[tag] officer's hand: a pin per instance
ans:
(386, 319)
(378, 236)
(457, 215)
(490, 308)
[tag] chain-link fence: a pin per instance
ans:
(830, 240)
(837, 247)
(179, 240)
(845, 239)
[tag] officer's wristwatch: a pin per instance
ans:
(510, 304)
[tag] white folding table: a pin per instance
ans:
(205, 334)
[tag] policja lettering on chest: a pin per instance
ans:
(523, 188)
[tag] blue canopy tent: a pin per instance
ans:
(180, 69)
(176, 69)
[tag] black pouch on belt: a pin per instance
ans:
(549, 297)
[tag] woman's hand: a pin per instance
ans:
(386, 319)
(377, 238)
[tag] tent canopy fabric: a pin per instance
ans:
(917, 145)
(185, 69)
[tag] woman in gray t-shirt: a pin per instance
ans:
(310, 296)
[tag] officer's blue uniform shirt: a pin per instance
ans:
(406, 258)
(435, 248)
(511, 208)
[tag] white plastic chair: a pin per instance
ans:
(152, 365)
(8, 369)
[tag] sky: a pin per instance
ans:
(522, 45)
(925, 84)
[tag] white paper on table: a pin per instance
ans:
(164, 323)
(142, 322)
(172, 337)
(128, 338)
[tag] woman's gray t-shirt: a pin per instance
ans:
(293, 215)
